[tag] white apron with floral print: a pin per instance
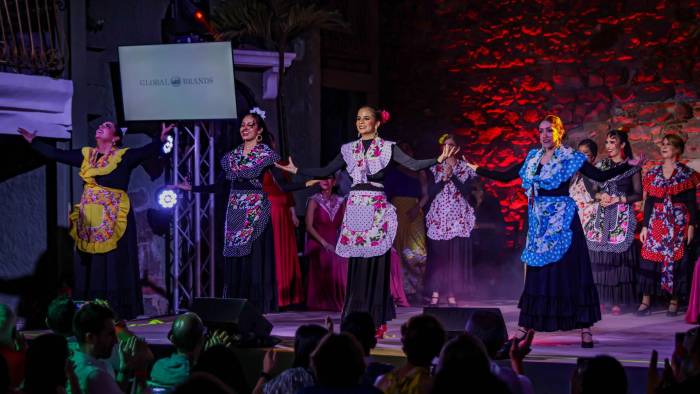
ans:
(369, 224)
(450, 215)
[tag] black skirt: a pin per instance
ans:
(113, 276)
(253, 276)
(615, 275)
(561, 296)
(449, 270)
(368, 288)
(650, 278)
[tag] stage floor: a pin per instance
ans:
(627, 337)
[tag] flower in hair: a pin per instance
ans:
(385, 116)
(258, 111)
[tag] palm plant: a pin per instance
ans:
(273, 25)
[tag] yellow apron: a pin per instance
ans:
(99, 220)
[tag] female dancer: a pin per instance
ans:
(249, 270)
(559, 292)
(328, 272)
(450, 221)
(581, 189)
(408, 192)
(102, 223)
(284, 221)
(669, 224)
(610, 230)
(369, 222)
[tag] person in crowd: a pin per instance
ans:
(249, 251)
(450, 221)
(600, 374)
(48, 368)
(682, 373)
(491, 331)
(284, 222)
(306, 339)
(408, 192)
(221, 362)
(338, 366)
(610, 232)
(464, 365)
(328, 272)
(670, 214)
(422, 338)
(94, 330)
(59, 316)
(559, 292)
(202, 382)
(13, 347)
(102, 223)
(369, 221)
(188, 335)
(361, 326)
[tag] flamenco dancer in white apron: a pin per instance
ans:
(369, 223)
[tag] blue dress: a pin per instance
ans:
(559, 293)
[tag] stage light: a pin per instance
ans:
(169, 144)
(199, 15)
(167, 198)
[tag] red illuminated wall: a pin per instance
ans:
(489, 71)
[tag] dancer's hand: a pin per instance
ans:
(182, 186)
(312, 182)
(165, 130)
(447, 151)
(26, 134)
(289, 167)
(691, 233)
(643, 235)
(328, 247)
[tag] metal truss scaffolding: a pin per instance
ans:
(191, 266)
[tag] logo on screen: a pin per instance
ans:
(175, 81)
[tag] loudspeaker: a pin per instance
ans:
(237, 317)
(455, 319)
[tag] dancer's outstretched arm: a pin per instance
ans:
(502, 176)
(72, 157)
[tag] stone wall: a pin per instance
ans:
(489, 71)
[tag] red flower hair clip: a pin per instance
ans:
(384, 116)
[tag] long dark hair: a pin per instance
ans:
(265, 133)
(622, 136)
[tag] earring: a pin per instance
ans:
(259, 138)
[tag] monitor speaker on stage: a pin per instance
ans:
(237, 317)
(455, 319)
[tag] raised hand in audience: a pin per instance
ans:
(219, 337)
(520, 347)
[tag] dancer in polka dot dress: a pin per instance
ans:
(450, 221)
(669, 224)
(249, 269)
(559, 293)
(369, 222)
